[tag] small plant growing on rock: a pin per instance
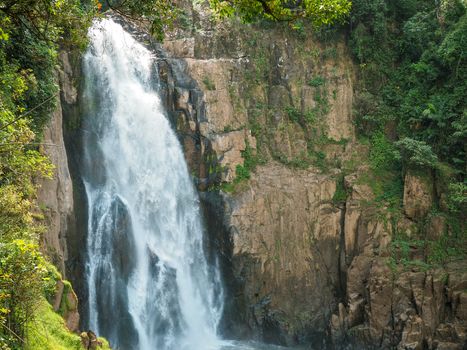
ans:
(209, 84)
(317, 81)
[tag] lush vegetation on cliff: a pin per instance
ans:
(30, 35)
(317, 12)
(411, 102)
(413, 67)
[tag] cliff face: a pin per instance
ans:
(307, 254)
(55, 196)
(312, 253)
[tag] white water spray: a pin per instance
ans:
(149, 284)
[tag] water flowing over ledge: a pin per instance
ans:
(150, 286)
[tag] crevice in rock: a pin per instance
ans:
(342, 267)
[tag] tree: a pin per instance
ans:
(160, 14)
(416, 153)
(320, 12)
(30, 35)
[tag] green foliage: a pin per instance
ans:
(421, 253)
(33, 32)
(320, 13)
(446, 249)
(22, 269)
(387, 187)
(160, 14)
(413, 69)
(457, 197)
(209, 84)
(293, 114)
(30, 34)
(310, 116)
(251, 159)
(242, 172)
(49, 332)
(416, 153)
(341, 194)
(411, 105)
(383, 154)
(317, 81)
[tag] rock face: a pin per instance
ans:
(405, 309)
(418, 196)
(66, 304)
(288, 258)
(308, 254)
(55, 196)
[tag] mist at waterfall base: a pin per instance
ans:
(149, 283)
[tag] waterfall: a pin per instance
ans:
(149, 283)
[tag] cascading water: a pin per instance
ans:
(150, 286)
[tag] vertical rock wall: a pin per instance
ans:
(310, 250)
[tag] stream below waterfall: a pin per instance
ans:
(149, 283)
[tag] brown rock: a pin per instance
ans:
(285, 239)
(461, 310)
(418, 195)
(58, 295)
(412, 336)
(55, 196)
(380, 296)
(436, 228)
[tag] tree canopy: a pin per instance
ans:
(161, 14)
(319, 12)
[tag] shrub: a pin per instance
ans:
(293, 114)
(317, 81)
(383, 154)
(416, 153)
(22, 269)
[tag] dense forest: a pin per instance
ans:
(410, 109)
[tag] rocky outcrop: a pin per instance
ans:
(253, 83)
(404, 309)
(285, 231)
(65, 302)
(418, 195)
(90, 341)
(394, 299)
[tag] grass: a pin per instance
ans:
(48, 332)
